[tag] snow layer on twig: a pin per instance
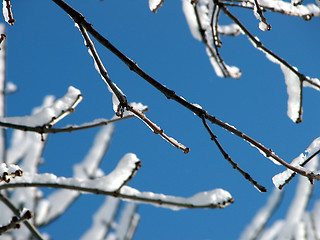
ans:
(8, 168)
(47, 114)
(262, 216)
(214, 197)
(5, 11)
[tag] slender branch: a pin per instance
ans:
(170, 94)
(227, 157)
(44, 129)
(124, 196)
(23, 218)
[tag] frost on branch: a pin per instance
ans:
(154, 5)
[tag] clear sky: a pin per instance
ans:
(46, 55)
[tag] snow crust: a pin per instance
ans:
(213, 197)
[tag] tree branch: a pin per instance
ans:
(124, 196)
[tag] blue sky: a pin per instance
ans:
(46, 54)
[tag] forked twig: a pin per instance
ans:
(228, 158)
(122, 98)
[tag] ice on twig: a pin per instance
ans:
(154, 5)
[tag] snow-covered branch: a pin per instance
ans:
(109, 185)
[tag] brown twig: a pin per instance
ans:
(260, 13)
(228, 158)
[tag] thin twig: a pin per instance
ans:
(2, 38)
(260, 13)
(120, 195)
(228, 158)
(17, 212)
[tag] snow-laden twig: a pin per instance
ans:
(283, 178)
(108, 185)
(154, 5)
(9, 171)
(7, 12)
(21, 216)
(48, 116)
